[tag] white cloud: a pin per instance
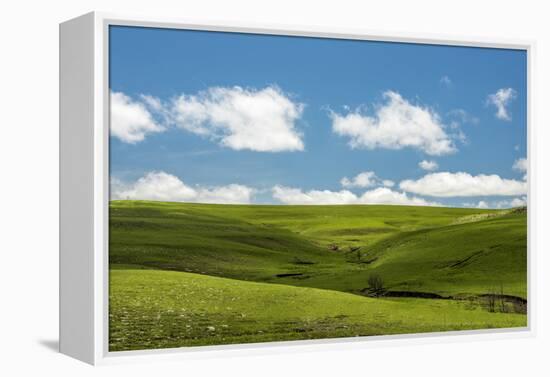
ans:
(462, 116)
(258, 120)
(446, 80)
(131, 121)
(520, 165)
(381, 195)
(515, 202)
(289, 195)
(262, 120)
(428, 165)
(519, 202)
(384, 195)
(501, 204)
(500, 100)
(447, 184)
(364, 179)
(396, 124)
(482, 204)
(167, 187)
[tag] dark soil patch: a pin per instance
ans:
(359, 231)
(302, 262)
(511, 304)
(415, 294)
(287, 275)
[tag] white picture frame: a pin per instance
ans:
(84, 189)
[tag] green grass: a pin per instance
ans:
(455, 252)
(161, 309)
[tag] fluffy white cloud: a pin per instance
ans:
(258, 120)
(290, 195)
(384, 195)
(447, 184)
(396, 124)
(515, 202)
(261, 120)
(500, 100)
(520, 165)
(519, 202)
(482, 204)
(428, 165)
(364, 179)
(501, 204)
(381, 195)
(131, 121)
(167, 187)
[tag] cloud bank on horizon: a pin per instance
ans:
(167, 187)
(258, 132)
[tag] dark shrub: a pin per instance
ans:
(376, 284)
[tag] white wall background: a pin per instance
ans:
(29, 185)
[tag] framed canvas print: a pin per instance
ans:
(228, 186)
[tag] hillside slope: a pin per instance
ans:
(447, 251)
(162, 309)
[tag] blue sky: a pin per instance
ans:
(231, 118)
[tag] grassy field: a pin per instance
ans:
(200, 274)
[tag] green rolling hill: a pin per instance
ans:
(321, 257)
